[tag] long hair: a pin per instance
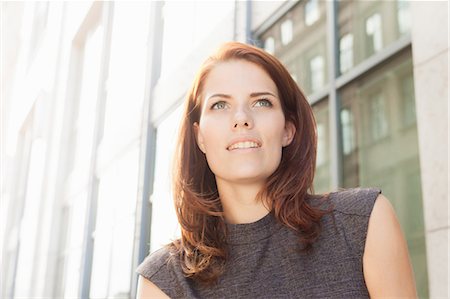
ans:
(202, 249)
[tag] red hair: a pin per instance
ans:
(202, 249)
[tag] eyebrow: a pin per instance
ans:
(252, 95)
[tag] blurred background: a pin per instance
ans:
(91, 96)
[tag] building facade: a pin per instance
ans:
(92, 94)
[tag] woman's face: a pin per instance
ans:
(242, 128)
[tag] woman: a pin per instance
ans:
(249, 227)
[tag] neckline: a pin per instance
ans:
(245, 233)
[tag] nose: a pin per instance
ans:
(242, 119)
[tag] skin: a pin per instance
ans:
(387, 269)
(233, 106)
(241, 101)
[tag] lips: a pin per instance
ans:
(244, 144)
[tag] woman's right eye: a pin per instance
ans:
(218, 105)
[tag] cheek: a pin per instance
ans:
(213, 135)
(274, 131)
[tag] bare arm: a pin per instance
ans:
(387, 269)
(148, 290)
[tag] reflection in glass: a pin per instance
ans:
(373, 25)
(302, 49)
(385, 152)
(346, 52)
(269, 45)
(377, 116)
(78, 192)
(321, 135)
(322, 176)
(118, 155)
(408, 104)
(404, 16)
(317, 70)
(286, 32)
(164, 219)
(114, 228)
(312, 12)
(30, 220)
(374, 34)
(348, 135)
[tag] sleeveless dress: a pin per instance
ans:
(264, 262)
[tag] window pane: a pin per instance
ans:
(114, 229)
(286, 32)
(81, 140)
(119, 151)
(300, 47)
(269, 45)
(164, 220)
(372, 25)
(403, 16)
(346, 52)
(312, 12)
(317, 70)
(374, 37)
(322, 176)
(348, 131)
(380, 148)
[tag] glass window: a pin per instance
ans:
(269, 45)
(322, 176)
(286, 32)
(78, 190)
(374, 34)
(371, 121)
(306, 55)
(164, 225)
(403, 16)
(377, 116)
(373, 25)
(312, 13)
(346, 53)
(119, 153)
(321, 136)
(317, 70)
(39, 24)
(30, 221)
(408, 104)
(348, 133)
(114, 229)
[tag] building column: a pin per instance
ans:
(430, 59)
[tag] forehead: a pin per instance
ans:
(238, 76)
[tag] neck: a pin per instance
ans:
(239, 202)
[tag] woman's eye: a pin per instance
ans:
(263, 103)
(219, 105)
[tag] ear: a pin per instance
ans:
(289, 133)
(198, 137)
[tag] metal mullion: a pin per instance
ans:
(88, 246)
(274, 17)
(333, 100)
(148, 143)
(373, 61)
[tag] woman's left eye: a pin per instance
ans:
(263, 103)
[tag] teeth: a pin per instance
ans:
(246, 144)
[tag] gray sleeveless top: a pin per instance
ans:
(264, 262)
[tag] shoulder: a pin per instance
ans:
(355, 201)
(387, 268)
(154, 263)
(351, 210)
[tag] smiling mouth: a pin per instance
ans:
(243, 145)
